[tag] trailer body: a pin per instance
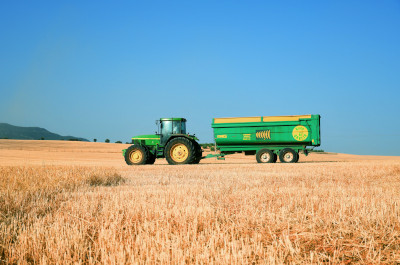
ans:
(251, 134)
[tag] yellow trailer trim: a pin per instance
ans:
(237, 120)
(264, 119)
(285, 118)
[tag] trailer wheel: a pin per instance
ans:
(265, 156)
(288, 155)
(275, 158)
(180, 151)
(136, 155)
(297, 159)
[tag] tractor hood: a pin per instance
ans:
(146, 139)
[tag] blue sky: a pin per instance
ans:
(109, 69)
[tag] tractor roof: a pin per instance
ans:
(172, 119)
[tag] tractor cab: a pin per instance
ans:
(171, 126)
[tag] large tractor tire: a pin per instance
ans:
(199, 153)
(136, 155)
(180, 151)
(288, 155)
(265, 156)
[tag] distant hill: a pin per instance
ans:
(8, 131)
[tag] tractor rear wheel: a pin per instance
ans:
(136, 155)
(288, 155)
(265, 156)
(180, 151)
(199, 153)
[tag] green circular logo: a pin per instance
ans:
(300, 133)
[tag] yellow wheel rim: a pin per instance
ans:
(136, 156)
(179, 152)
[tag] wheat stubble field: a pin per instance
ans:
(73, 202)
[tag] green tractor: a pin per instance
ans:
(170, 142)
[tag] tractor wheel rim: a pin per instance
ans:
(179, 152)
(136, 156)
(288, 157)
(265, 157)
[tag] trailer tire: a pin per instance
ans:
(297, 158)
(288, 155)
(136, 155)
(265, 156)
(275, 158)
(179, 151)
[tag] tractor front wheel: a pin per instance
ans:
(136, 155)
(180, 151)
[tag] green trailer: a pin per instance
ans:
(267, 137)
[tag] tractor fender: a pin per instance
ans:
(179, 135)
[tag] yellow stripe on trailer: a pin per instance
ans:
(264, 119)
(237, 120)
(285, 118)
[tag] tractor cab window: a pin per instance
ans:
(179, 127)
(173, 127)
(183, 130)
(176, 127)
(166, 127)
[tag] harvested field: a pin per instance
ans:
(74, 202)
